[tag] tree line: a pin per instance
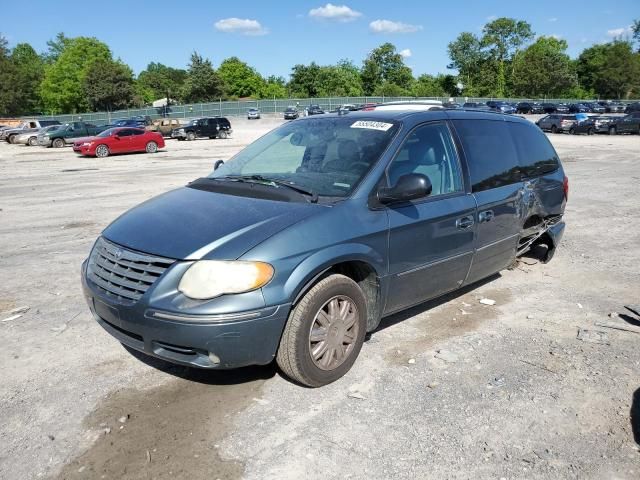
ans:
(80, 74)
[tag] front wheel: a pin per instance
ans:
(590, 131)
(58, 143)
(554, 129)
(222, 135)
(613, 131)
(102, 151)
(152, 147)
(324, 333)
(191, 136)
(11, 138)
(33, 141)
(572, 131)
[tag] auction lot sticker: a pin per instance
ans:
(382, 126)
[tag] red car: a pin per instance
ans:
(119, 140)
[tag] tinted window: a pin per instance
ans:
(429, 150)
(125, 132)
(490, 152)
(535, 152)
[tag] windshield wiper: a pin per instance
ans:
(275, 181)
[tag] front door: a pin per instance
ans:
(496, 183)
(430, 240)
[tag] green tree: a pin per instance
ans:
(239, 79)
(8, 78)
(274, 87)
(427, 86)
(466, 57)
(159, 81)
(340, 80)
(385, 65)
(502, 38)
(56, 47)
(203, 83)
(612, 69)
(543, 69)
(62, 88)
(109, 85)
(304, 80)
(635, 29)
(29, 70)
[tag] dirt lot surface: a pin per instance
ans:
(451, 389)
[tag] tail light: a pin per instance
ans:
(565, 187)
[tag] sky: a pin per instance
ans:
(272, 36)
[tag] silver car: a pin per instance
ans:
(253, 114)
(31, 138)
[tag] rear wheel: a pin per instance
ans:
(324, 333)
(11, 138)
(191, 136)
(58, 143)
(590, 131)
(33, 141)
(572, 131)
(102, 151)
(152, 147)
(222, 134)
(554, 129)
(612, 131)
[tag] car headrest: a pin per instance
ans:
(348, 150)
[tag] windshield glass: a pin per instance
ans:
(328, 156)
(192, 123)
(108, 133)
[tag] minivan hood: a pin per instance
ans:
(193, 224)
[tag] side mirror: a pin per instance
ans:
(408, 187)
(116, 136)
(217, 164)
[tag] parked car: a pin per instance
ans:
(632, 107)
(615, 107)
(119, 140)
(210, 127)
(291, 113)
(595, 107)
(135, 122)
(452, 105)
(31, 137)
(253, 114)
(627, 124)
(476, 106)
(501, 107)
(68, 133)
(548, 107)
(556, 123)
(578, 108)
(164, 126)
(424, 105)
(367, 107)
(529, 107)
(314, 110)
(562, 108)
(286, 279)
(594, 124)
(28, 126)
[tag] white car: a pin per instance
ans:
(253, 114)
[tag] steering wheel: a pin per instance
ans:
(358, 166)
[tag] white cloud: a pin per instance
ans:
(552, 19)
(406, 53)
(617, 32)
(337, 13)
(557, 36)
(491, 18)
(243, 26)
(388, 26)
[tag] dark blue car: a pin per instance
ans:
(297, 247)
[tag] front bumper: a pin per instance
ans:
(178, 135)
(224, 341)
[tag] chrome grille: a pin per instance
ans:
(121, 273)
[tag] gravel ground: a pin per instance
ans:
(450, 389)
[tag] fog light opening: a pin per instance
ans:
(214, 358)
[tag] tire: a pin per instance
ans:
(590, 131)
(554, 129)
(331, 294)
(151, 147)
(11, 138)
(58, 142)
(191, 136)
(572, 131)
(33, 141)
(102, 151)
(222, 134)
(612, 131)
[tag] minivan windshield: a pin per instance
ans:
(326, 156)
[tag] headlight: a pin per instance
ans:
(181, 130)
(87, 144)
(210, 278)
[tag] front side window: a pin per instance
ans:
(429, 150)
(327, 155)
(490, 153)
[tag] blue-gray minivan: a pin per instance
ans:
(297, 247)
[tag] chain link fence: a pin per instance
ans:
(272, 106)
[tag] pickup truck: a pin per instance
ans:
(27, 126)
(68, 134)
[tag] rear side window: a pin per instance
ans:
(535, 152)
(490, 153)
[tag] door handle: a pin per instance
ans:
(485, 216)
(464, 222)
